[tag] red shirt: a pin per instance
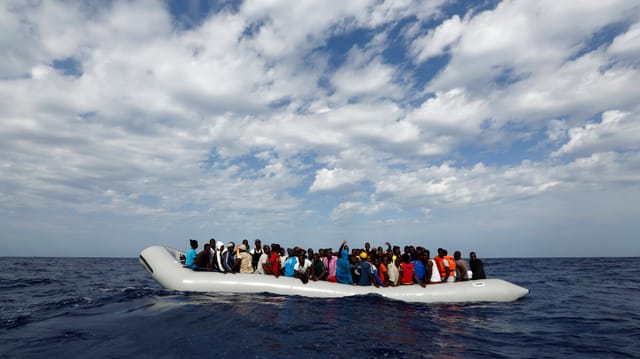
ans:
(274, 262)
(407, 273)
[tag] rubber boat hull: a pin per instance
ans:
(164, 266)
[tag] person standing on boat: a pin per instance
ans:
(477, 268)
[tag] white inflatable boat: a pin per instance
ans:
(164, 266)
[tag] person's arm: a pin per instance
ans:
(225, 261)
(374, 280)
(341, 248)
(447, 269)
(415, 277)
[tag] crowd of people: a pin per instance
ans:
(380, 267)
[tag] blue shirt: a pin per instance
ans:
(419, 269)
(190, 259)
(365, 270)
(343, 269)
(289, 266)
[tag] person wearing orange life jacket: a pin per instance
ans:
(446, 266)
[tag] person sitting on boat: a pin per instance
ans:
(290, 263)
(446, 266)
(219, 250)
(343, 268)
(273, 266)
(318, 270)
(375, 262)
(213, 265)
(382, 271)
(392, 269)
(228, 258)
(256, 253)
(283, 258)
(202, 259)
(354, 266)
(433, 275)
(407, 275)
(419, 267)
(477, 268)
(245, 259)
(331, 263)
(190, 258)
(302, 268)
(263, 261)
(366, 272)
(462, 268)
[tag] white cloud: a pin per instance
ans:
(436, 41)
(627, 44)
(239, 123)
(332, 179)
(617, 131)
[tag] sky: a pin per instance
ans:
(510, 128)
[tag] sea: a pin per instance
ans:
(112, 308)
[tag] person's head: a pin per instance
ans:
(406, 258)
(427, 254)
(367, 247)
(207, 246)
(242, 248)
(193, 243)
(301, 257)
(456, 255)
(212, 242)
(266, 249)
(310, 252)
(363, 255)
(316, 257)
(440, 252)
(220, 246)
(258, 243)
(231, 246)
(246, 243)
(472, 255)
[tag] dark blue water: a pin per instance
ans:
(89, 307)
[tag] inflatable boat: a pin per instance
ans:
(163, 264)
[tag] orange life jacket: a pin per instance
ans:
(441, 267)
